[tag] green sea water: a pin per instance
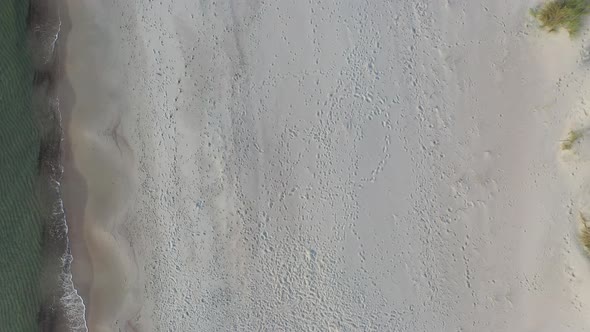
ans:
(20, 220)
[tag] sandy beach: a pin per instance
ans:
(338, 166)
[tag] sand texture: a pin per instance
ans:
(324, 166)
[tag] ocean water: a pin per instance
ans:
(21, 231)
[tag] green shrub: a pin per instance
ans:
(572, 137)
(585, 234)
(566, 14)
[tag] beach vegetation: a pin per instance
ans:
(571, 139)
(585, 234)
(562, 14)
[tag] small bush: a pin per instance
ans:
(585, 239)
(572, 137)
(585, 234)
(566, 14)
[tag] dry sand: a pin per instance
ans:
(324, 166)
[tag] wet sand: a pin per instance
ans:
(98, 180)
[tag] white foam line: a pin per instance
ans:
(72, 302)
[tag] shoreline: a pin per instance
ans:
(72, 301)
(62, 308)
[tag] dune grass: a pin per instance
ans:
(562, 14)
(585, 233)
(572, 137)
